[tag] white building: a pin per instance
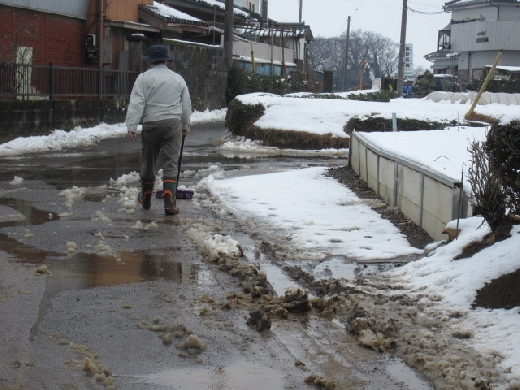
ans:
(478, 30)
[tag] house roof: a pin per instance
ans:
(170, 14)
(454, 4)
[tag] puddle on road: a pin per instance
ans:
(86, 270)
(91, 270)
(239, 376)
(33, 216)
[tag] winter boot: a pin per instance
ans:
(145, 197)
(170, 198)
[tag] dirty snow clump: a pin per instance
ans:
(100, 215)
(71, 246)
(16, 180)
(128, 199)
(72, 194)
(124, 180)
(219, 246)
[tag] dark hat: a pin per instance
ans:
(157, 53)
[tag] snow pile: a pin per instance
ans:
(245, 148)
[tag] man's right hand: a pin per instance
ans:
(132, 135)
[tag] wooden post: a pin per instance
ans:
(483, 88)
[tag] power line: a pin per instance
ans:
(424, 12)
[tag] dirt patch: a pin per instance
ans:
(500, 293)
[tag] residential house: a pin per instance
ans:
(43, 31)
(478, 30)
(113, 34)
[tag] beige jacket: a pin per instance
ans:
(159, 94)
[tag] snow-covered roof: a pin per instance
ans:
(222, 5)
(512, 69)
(288, 29)
(450, 5)
(209, 5)
(169, 12)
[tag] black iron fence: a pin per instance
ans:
(50, 82)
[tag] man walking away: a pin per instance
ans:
(160, 97)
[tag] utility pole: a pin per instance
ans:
(402, 44)
(228, 34)
(301, 10)
(100, 45)
(346, 56)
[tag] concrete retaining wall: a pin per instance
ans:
(428, 198)
(27, 118)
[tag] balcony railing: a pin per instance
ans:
(49, 82)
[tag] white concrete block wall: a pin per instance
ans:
(386, 179)
(409, 193)
(372, 169)
(427, 198)
(438, 207)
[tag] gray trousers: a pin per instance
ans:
(161, 148)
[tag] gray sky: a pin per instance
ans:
(328, 18)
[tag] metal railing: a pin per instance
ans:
(49, 82)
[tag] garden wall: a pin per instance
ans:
(428, 198)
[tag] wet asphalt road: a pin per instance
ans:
(112, 287)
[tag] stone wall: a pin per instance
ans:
(204, 69)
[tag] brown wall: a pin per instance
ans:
(54, 38)
(115, 10)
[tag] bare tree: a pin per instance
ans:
(486, 186)
(366, 47)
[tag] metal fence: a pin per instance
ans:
(49, 82)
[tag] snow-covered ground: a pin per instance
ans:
(324, 218)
